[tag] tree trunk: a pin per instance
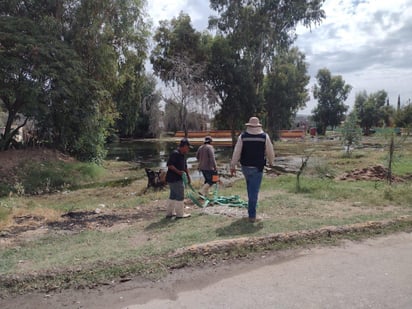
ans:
(7, 136)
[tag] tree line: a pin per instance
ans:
(76, 70)
(369, 110)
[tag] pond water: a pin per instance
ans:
(154, 153)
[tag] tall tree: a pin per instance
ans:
(150, 115)
(331, 93)
(231, 79)
(403, 117)
(285, 89)
(179, 60)
(371, 109)
(351, 132)
(388, 115)
(137, 102)
(172, 116)
(70, 52)
(176, 40)
(32, 63)
(111, 37)
(259, 29)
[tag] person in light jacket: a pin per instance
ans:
(207, 164)
(254, 150)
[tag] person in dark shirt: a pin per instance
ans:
(176, 167)
(253, 149)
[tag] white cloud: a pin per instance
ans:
(367, 42)
(161, 10)
(198, 11)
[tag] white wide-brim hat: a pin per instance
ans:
(253, 122)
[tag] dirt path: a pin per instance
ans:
(375, 273)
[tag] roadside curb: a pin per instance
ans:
(56, 280)
(226, 245)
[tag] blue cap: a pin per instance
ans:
(184, 142)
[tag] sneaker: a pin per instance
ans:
(170, 216)
(184, 216)
(253, 220)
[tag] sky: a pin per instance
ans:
(367, 42)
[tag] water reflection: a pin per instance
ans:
(154, 153)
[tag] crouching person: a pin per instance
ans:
(176, 167)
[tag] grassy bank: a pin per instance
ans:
(117, 232)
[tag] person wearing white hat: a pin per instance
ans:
(205, 155)
(253, 149)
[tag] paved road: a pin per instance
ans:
(376, 273)
(372, 274)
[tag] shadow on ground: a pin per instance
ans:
(239, 227)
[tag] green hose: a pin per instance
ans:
(231, 201)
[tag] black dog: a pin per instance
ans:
(155, 180)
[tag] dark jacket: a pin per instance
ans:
(179, 161)
(253, 150)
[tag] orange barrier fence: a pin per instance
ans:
(292, 133)
(228, 134)
(212, 133)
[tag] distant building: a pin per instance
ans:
(303, 122)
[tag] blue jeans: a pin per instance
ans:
(253, 180)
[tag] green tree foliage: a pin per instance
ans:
(111, 36)
(351, 132)
(149, 115)
(331, 93)
(195, 121)
(176, 42)
(179, 60)
(128, 97)
(371, 109)
(285, 90)
(259, 29)
(61, 66)
(3, 117)
(232, 81)
(171, 116)
(151, 110)
(403, 118)
(137, 103)
(388, 115)
(32, 61)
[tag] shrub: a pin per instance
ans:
(38, 178)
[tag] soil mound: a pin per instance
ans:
(12, 159)
(377, 172)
